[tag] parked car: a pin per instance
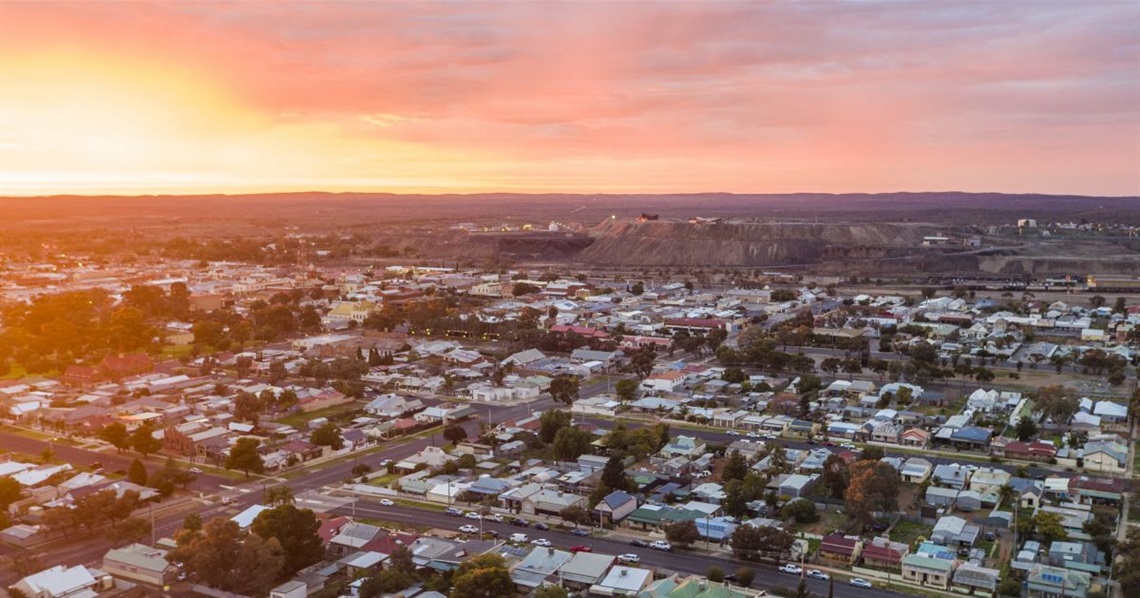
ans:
(732, 433)
(581, 533)
(859, 582)
(661, 545)
(473, 515)
(454, 512)
(387, 502)
(193, 470)
(494, 517)
(628, 558)
(791, 568)
(752, 435)
(639, 543)
(490, 534)
(541, 526)
(520, 538)
(543, 542)
(469, 529)
(817, 574)
(520, 522)
(581, 548)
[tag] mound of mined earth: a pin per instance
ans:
(661, 243)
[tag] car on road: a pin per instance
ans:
(385, 463)
(454, 512)
(195, 471)
(770, 436)
(520, 522)
(469, 529)
(661, 545)
(639, 543)
(518, 538)
(732, 433)
(473, 515)
(859, 582)
(581, 548)
(580, 532)
(849, 446)
(752, 435)
(791, 568)
(628, 558)
(387, 502)
(541, 527)
(829, 443)
(543, 542)
(817, 574)
(497, 518)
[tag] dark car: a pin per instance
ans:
(880, 526)
(580, 532)
(640, 543)
(520, 522)
(454, 512)
(541, 527)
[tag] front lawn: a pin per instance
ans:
(908, 531)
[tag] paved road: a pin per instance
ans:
(681, 561)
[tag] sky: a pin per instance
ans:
(136, 97)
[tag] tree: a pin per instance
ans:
(626, 390)
(1127, 570)
(735, 468)
(387, 581)
(564, 389)
(638, 288)
(576, 514)
(524, 288)
(744, 576)
(245, 456)
(296, 530)
(10, 491)
(873, 487)
(800, 509)
(835, 476)
(117, 435)
(1049, 526)
(682, 532)
(715, 574)
(750, 542)
(872, 453)
(136, 473)
(279, 496)
(571, 443)
(328, 435)
(550, 592)
(192, 522)
(1026, 428)
(1097, 301)
(144, 442)
(130, 530)
(550, 422)
(614, 476)
(485, 576)
(454, 433)
(223, 557)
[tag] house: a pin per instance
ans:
(915, 438)
(968, 501)
(623, 581)
(1106, 454)
(1081, 556)
(989, 479)
(539, 567)
(684, 446)
(977, 578)
(615, 506)
(889, 432)
(1031, 451)
(837, 549)
(352, 537)
(1103, 491)
(61, 582)
(585, 569)
(664, 382)
(926, 570)
(1027, 492)
(884, 554)
(797, 485)
(139, 562)
(1111, 412)
(951, 475)
(1044, 581)
(940, 497)
(954, 532)
(916, 470)
(550, 502)
(290, 589)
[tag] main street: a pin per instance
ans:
(682, 561)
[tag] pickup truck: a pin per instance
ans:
(790, 568)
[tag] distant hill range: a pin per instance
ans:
(939, 208)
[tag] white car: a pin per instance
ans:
(469, 529)
(752, 435)
(770, 437)
(520, 538)
(859, 582)
(817, 574)
(791, 568)
(473, 515)
(732, 433)
(661, 545)
(494, 517)
(386, 502)
(543, 542)
(849, 446)
(628, 558)
(195, 471)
